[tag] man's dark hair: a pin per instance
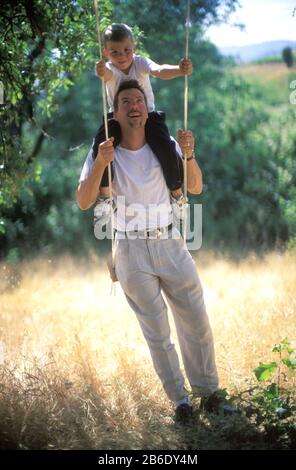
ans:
(127, 85)
(117, 32)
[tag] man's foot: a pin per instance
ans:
(217, 403)
(183, 414)
(179, 206)
(102, 211)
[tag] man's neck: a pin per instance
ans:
(134, 140)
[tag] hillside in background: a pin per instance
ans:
(257, 51)
(273, 78)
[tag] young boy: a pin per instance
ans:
(123, 64)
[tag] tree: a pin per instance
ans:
(162, 20)
(45, 46)
(54, 104)
(287, 55)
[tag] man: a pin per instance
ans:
(150, 256)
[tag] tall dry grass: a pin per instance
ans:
(76, 372)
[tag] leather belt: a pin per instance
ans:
(148, 233)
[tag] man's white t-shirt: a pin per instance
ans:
(140, 192)
(140, 71)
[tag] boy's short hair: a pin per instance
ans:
(127, 85)
(118, 32)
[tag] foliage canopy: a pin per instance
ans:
(51, 110)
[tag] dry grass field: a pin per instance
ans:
(76, 372)
(274, 78)
(266, 72)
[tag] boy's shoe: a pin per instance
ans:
(183, 414)
(179, 206)
(102, 211)
(218, 404)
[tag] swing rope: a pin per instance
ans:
(187, 26)
(107, 136)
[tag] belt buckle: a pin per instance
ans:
(154, 234)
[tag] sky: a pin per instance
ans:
(265, 20)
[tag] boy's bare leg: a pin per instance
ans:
(104, 191)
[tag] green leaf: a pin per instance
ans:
(271, 391)
(264, 371)
(290, 362)
(283, 346)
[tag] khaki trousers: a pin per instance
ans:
(147, 269)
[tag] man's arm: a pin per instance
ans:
(88, 189)
(167, 72)
(194, 175)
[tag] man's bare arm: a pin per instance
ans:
(194, 175)
(87, 191)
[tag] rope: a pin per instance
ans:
(187, 26)
(107, 136)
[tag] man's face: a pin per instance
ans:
(132, 109)
(120, 53)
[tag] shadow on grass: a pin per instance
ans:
(59, 416)
(53, 406)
